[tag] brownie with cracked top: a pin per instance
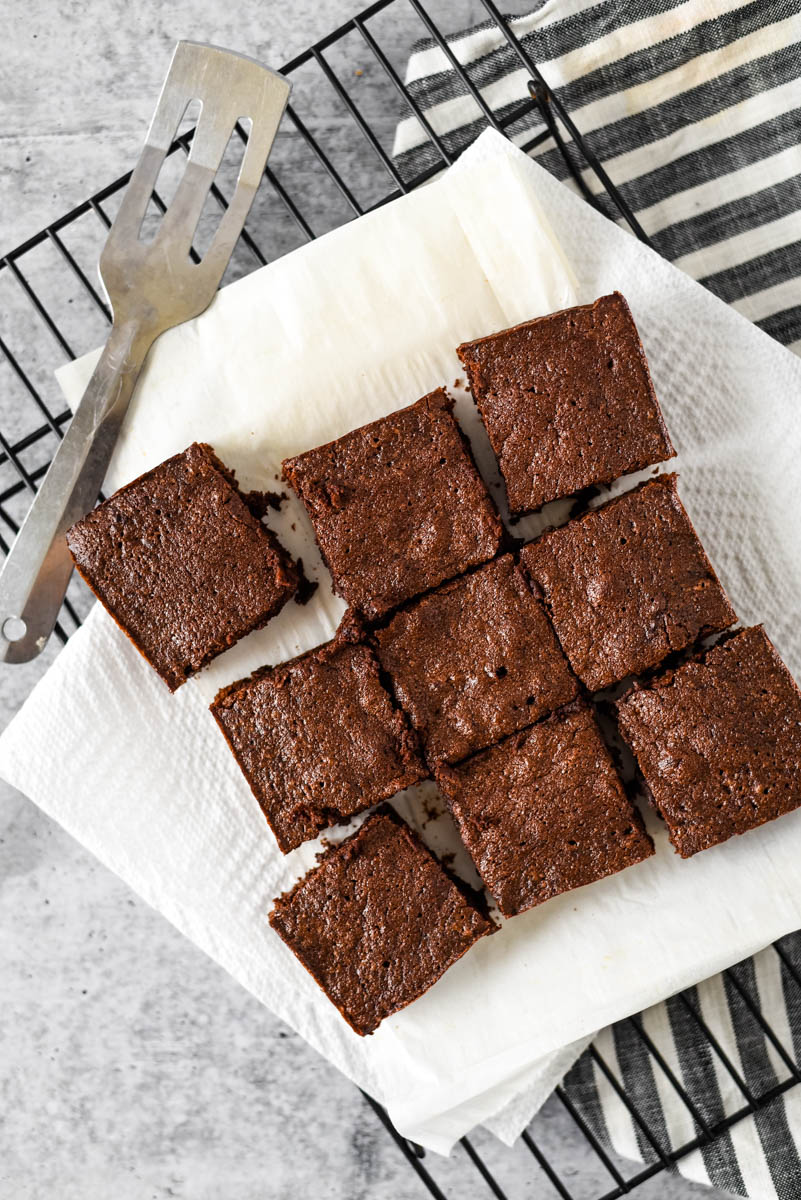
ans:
(378, 921)
(397, 506)
(318, 739)
(182, 564)
(718, 741)
(567, 401)
(544, 811)
(628, 583)
(474, 661)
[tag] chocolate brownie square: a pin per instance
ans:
(718, 741)
(628, 583)
(397, 506)
(182, 564)
(567, 401)
(474, 661)
(318, 739)
(378, 921)
(544, 811)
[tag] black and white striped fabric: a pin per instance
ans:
(698, 1059)
(694, 109)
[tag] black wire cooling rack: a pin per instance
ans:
(51, 311)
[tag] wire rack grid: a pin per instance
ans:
(51, 311)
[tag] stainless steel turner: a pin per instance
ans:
(151, 286)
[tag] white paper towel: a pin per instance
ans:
(357, 324)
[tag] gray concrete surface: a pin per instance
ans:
(132, 1066)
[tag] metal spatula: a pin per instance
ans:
(151, 287)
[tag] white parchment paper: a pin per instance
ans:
(345, 330)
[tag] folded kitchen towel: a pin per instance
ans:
(720, 1047)
(693, 108)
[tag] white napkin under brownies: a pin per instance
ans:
(343, 331)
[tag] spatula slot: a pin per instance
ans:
(169, 176)
(222, 187)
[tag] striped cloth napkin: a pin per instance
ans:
(694, 109)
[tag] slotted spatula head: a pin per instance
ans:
(156, 282)
(151, 286)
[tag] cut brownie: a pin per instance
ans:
(544, 811)
(567, 401)
(318, 740)
(628, 583)
(182, 564)
(474, 661)
(378, 921)
(397, 506)
(718, 741)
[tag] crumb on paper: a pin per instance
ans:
(582, 500)
(260, 502)
(432, 811)
(306, 587)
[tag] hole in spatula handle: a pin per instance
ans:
(14, 629)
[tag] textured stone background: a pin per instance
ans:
(132, 1066)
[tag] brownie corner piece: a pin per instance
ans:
(627, 584)
(474, 660)
(567, 400)
(378, 921)
(718, 741)
(397, 506)
(544, 811)
(318, 739)
(181, 563)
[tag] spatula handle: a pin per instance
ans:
(34, 578)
